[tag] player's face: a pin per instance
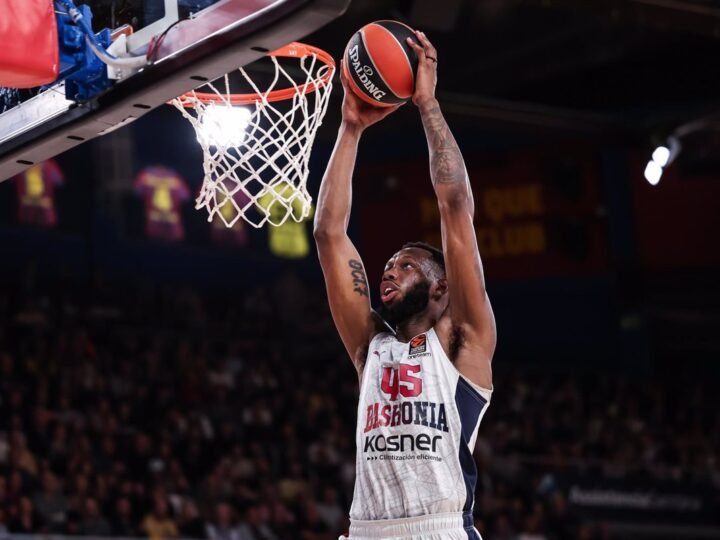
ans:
(405, 286)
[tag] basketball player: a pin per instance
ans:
(424, 360)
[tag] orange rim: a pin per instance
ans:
(291, 50)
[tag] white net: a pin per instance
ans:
(256, 157)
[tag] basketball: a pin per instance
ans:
(380, 65)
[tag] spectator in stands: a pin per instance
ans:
(4, 532)
(51, 504)
(560, 523)
(190, 525)
(311, 525)
(93, 523)
(4, 496)
(21, 455)
(17, 486)
(502, 529)
(223, 527)
(25, 520)
(294, 484)
(124, 522)
(158, 525)
(593, 532)
(533, 528)
(256, 524)
(330, 510)
(106, 421)
(282, 520)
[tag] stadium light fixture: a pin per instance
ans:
(662, 156)
(653, 172)
(225, 126)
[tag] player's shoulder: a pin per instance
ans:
(381, 339)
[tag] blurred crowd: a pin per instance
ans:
(160, 412)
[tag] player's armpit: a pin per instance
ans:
(348, 293)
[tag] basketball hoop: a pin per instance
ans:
(257, 157)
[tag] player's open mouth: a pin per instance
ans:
(388, 291)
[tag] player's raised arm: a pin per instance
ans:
(345, 277)
(470, 311)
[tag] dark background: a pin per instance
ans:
(564, 99)
(568, 99)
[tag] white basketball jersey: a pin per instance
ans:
(418, 419)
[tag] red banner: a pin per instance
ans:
(536, 213)
(678, 220)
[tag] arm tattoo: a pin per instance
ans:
(446, 161)
(358, 276)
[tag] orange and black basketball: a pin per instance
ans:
(380, 65)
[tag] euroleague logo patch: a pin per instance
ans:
(418, 344)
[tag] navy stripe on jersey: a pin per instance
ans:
(469, 526)
(469, 405)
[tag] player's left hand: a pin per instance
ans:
(426, 76)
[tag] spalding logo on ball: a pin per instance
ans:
(380, 65)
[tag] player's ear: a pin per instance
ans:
(440, 287)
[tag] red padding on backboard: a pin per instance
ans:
(28, 43)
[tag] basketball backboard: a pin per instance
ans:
(191, 41)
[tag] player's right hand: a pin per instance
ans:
(426, 76)
(357, 113)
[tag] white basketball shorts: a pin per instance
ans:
(452, 526)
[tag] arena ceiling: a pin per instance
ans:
(589, 65)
